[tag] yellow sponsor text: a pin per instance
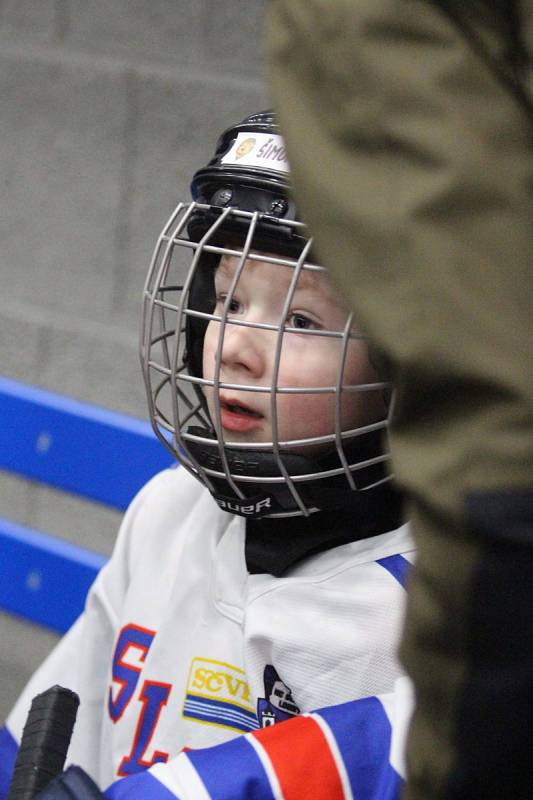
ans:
(220, 681)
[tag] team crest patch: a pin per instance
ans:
(218, 694)
(278, 703)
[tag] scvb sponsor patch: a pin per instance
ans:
(218, 694)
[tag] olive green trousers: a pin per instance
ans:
(410, 146)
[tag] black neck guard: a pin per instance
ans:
(273, 546)
(265, 499)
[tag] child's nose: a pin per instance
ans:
(243, 349)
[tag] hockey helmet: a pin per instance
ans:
(242, 213)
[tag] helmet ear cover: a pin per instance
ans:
(201, 298)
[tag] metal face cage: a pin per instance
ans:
(283, 476)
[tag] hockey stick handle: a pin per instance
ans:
(45, 741)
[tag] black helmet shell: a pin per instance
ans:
(257, 179)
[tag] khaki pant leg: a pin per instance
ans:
(413, 167)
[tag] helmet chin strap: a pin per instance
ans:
(264, 498)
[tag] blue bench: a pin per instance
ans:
(79, 448)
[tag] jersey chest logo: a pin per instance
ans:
(278, 703)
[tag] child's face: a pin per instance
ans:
(248, 356)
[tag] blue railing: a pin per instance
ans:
(78, 448)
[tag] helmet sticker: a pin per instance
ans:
(260, 150)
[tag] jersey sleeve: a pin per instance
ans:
(336, 753)
(78, 661)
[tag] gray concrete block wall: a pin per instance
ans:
(107, 108)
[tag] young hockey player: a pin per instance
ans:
(264, 578)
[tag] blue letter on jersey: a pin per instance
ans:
(154, 696)
(132, 646)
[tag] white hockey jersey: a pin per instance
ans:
(179, 647)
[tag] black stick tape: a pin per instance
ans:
(45, 740)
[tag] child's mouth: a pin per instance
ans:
(238, 409)
(237, 417)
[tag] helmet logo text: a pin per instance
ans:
(273, 150)
(244, 507)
